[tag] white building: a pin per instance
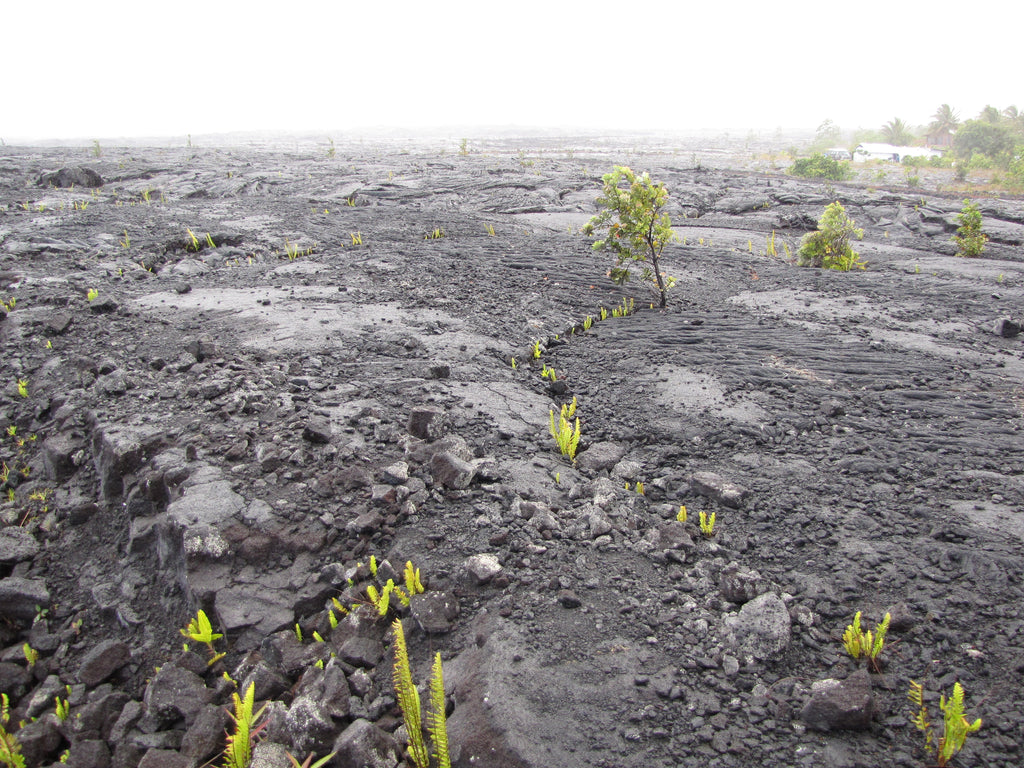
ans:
(894, 154)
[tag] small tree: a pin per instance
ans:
(829, 246)
(637, 227)
(969, 239)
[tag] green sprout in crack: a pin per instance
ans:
(868, 644)
(956, 727)
(10, 747)
(238, 751)
(681, 514)
(200, 630)
(536, 350)
(566, 435)
(707, 524)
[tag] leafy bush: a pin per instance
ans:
(969, 239)
(636, 225)
(819, 166)
(829, 247)
(976, 137)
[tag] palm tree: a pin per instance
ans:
(945, 120)
(1015, 117)
(989, 115)
(897, 132)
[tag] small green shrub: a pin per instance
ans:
(969, 238)
(637, 226)
(819, 166)
(829, 247)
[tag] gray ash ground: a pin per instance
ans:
(227, 428)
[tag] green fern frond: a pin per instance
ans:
(409, 699)
(436, 720)
(10, 749)
(413, 585)
(238, 750)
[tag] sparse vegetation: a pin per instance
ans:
(859, 642)
(829, 247)
(409, 702)
(969, 238)
(955, 726)
(566, 435)
(10, 748)
(238, 750)
(819, 166)
(635, 225)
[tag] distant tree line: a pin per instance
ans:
(992, 139)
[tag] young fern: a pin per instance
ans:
(238, 750)
(10, 749)
(409, 702)
(408, 699)
(436, 722)
(562, 430)
(858, 642)
(955, 726)
(413, 585)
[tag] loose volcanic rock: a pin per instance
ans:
(449, 470)
(600, 456)
(483, 567)
(364, 744)
(21, 599)
(317, 429)
(40, 740)
(79, 176)
(761, 629)
(1006, 328)
(103, 661)
(59, 453)
(739, 585)
(717, 488)
(428, 423)
(16, 545)
(174, 692)
(205, 738)
(840, 704)
(434, 612)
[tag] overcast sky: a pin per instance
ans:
(120, 69)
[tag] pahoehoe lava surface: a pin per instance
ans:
(233, 422)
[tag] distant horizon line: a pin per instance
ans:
(505, 130)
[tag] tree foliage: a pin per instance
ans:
(819, 166)
(969, 238)
(634, 224)
(979, 137)
(897, 132)
(829, 247)
(945, 119)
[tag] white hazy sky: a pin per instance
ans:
(108, 68)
